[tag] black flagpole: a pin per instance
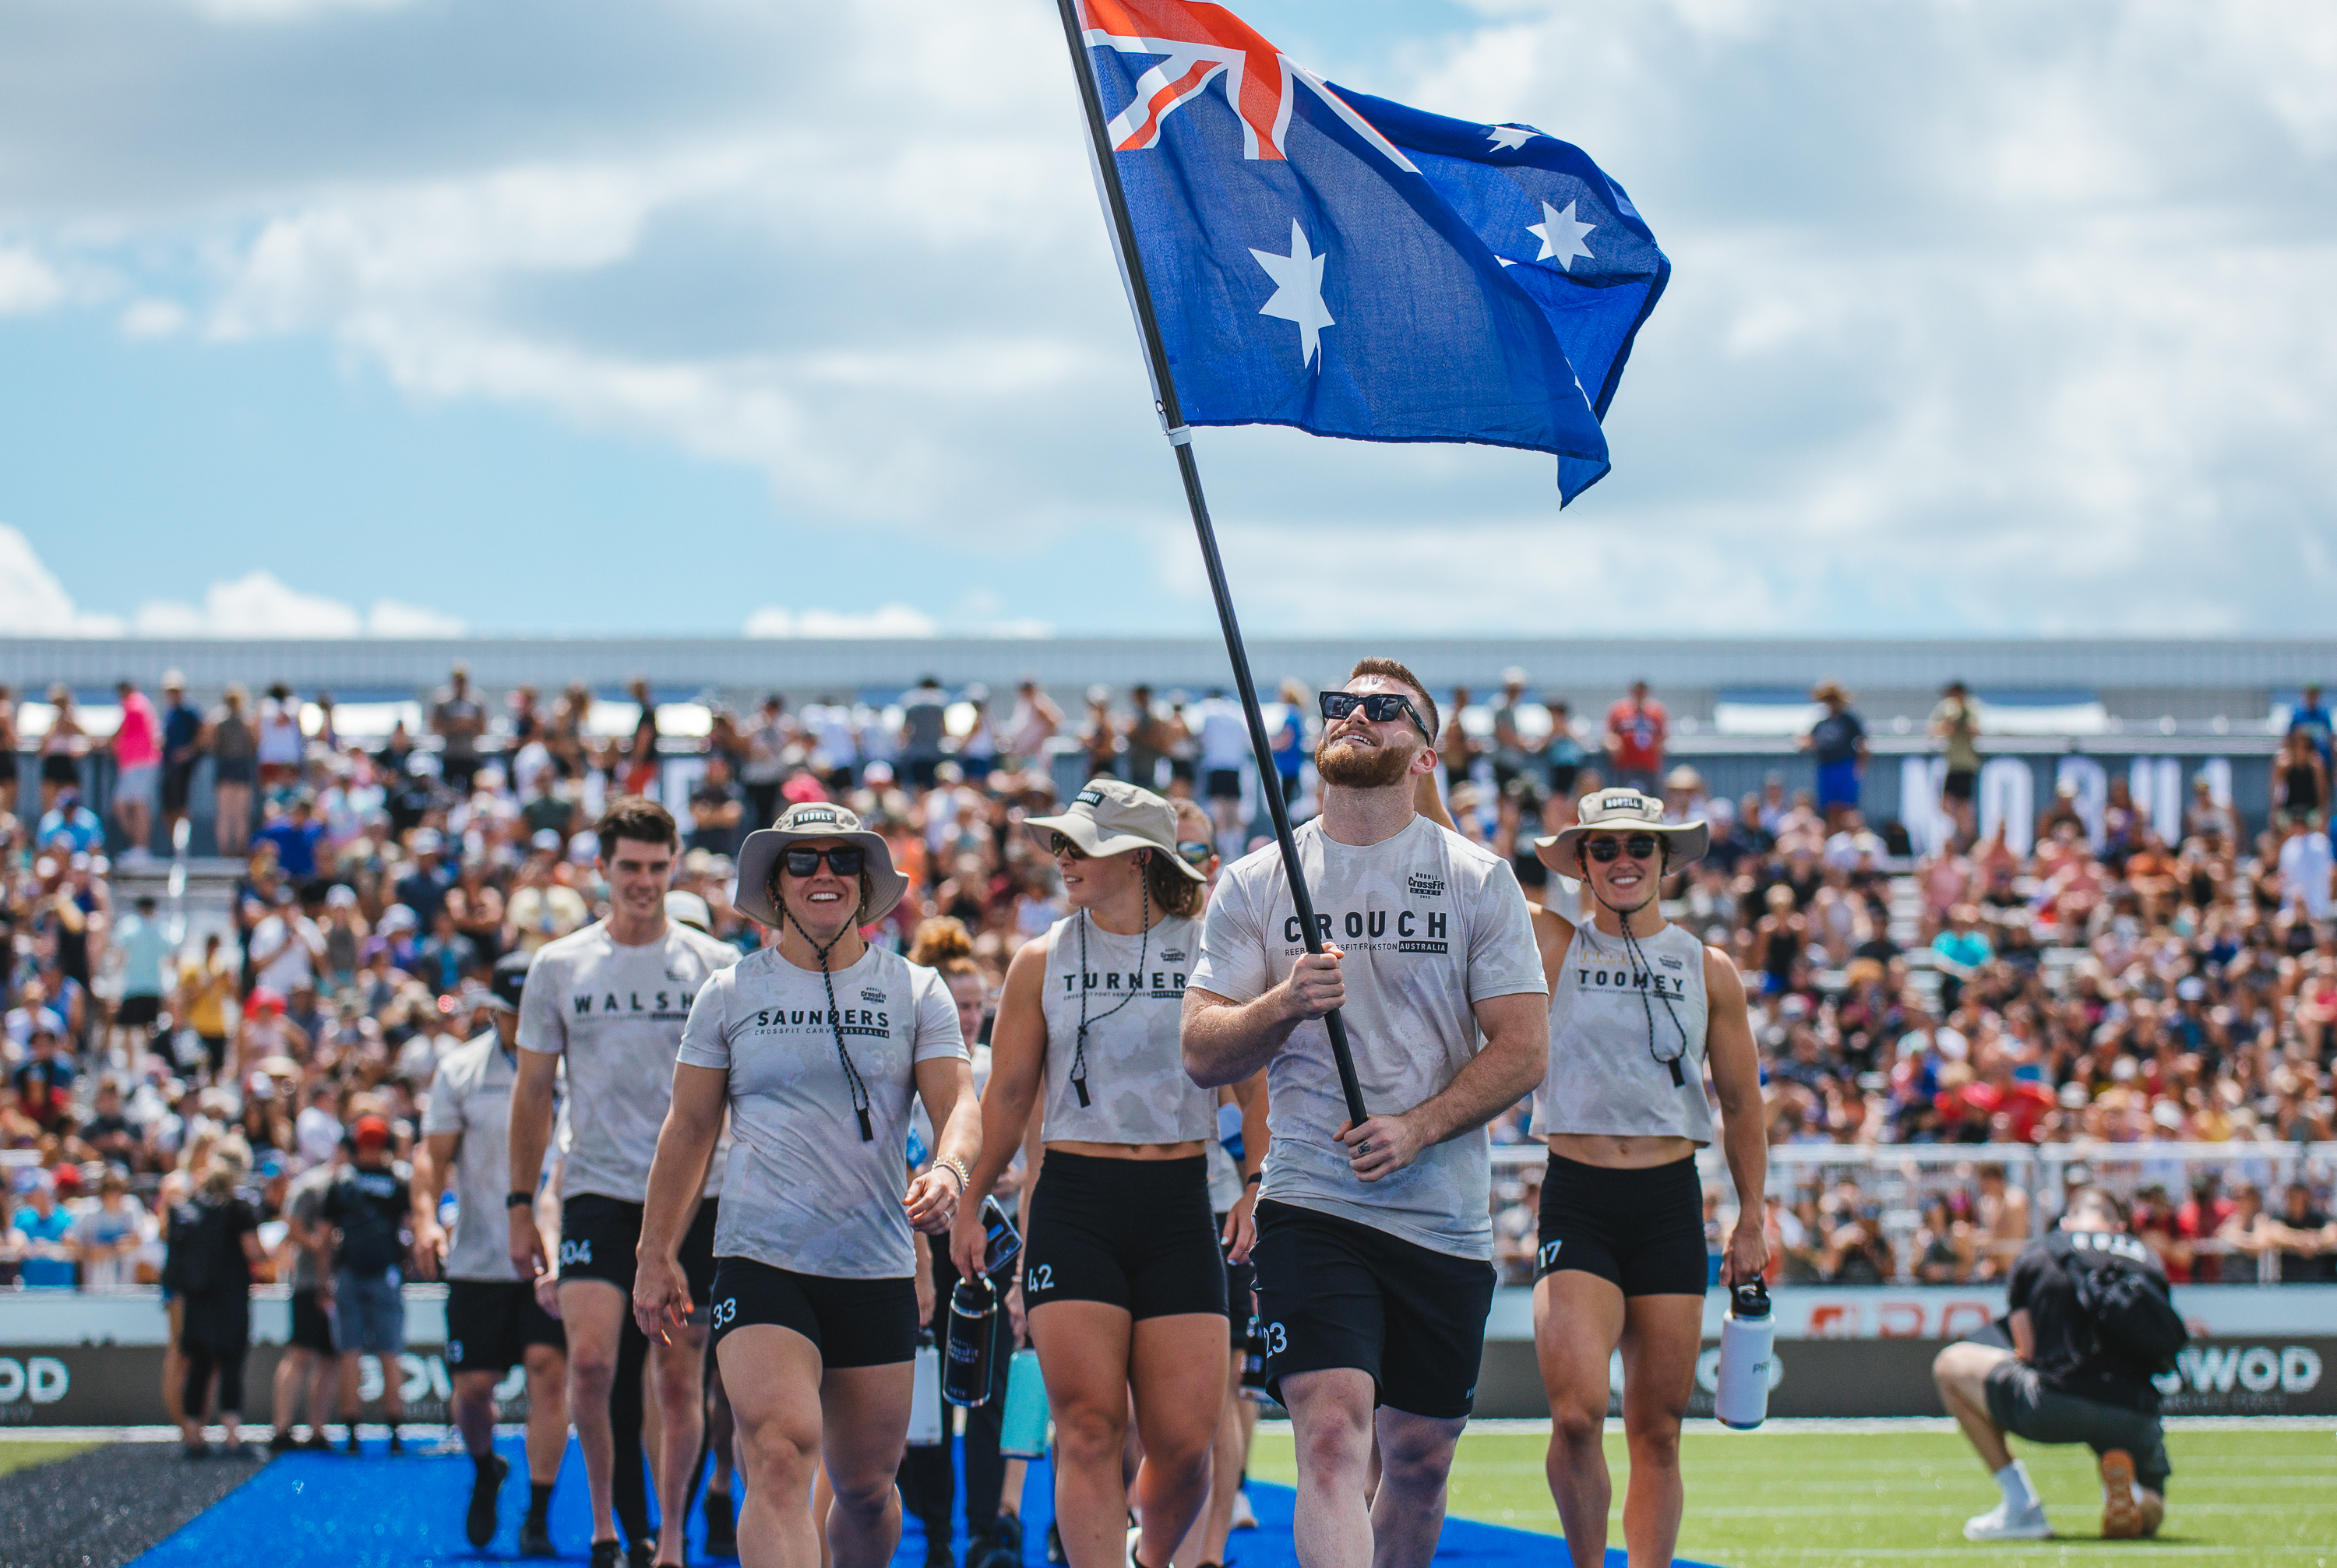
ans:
(1164, 385)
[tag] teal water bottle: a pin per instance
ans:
(1022, 1430)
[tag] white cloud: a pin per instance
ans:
(1984, 317)
(260, 605)
(388, 618)
(27, 283)
(34, 603)
(148, 319)
(886, 620)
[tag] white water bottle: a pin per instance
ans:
(925, 1394)
(1748, 1337)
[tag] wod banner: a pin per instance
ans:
(121, 1385)
(2270, 1376)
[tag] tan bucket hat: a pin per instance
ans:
(1112, 817)
(751, 895)
(1618, 811)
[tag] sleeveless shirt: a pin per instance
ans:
(1603, 1077)
(1137, 1088)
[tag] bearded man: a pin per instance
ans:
(1375, 1245)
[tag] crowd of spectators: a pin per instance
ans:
(2108, 986)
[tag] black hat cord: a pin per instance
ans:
(1637, 957)
(857, 1085)
(1143, 950)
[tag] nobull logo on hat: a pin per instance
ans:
(1619, 803)
(1088, 798)
(803, 817)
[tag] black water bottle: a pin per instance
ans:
(1253, 1371)
(973, 1342)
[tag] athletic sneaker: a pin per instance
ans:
(1245, 1517)
(282, 1442)
(536, 1540)
(486, 1486)
(1055, 1545)
(2001, 1524)
(642, 1554)
(722, 1525)
(2121, 1498)
(608, 1553)
(1008, 1533)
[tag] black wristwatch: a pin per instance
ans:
(519, 1199)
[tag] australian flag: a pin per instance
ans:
(1350, 267)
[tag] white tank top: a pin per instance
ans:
(1604, 1076)
(1133, 1069)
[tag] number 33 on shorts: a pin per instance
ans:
(724, 1312)
(1277, 1341)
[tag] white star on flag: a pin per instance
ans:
(1512, 137)
(1561, 236)
(1298, 291)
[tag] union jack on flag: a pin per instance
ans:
(1439, 274)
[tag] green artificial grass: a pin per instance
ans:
(22, 1453)
(1898, 1499)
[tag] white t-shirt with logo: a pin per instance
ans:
(1430, 925)
(1138, 1089)
(470, 1096)
(805, 1191)
(616, 1013)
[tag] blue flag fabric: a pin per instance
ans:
(1307, 269)
(1570, 235)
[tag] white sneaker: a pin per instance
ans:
(1245, 1517)
(2001, 1524)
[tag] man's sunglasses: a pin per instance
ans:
(1196, 851)
(1379, 707)
(1060, 843)
(1639, 847)
(844, 860)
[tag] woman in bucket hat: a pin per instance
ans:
(1638, 1008)
(816, 1046)
(1121, 1274)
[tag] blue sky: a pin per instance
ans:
(338, 315)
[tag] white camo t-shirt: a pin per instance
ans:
(804, 1190)
(617, 1013)
(1430, 925)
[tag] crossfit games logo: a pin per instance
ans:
(870, 993)
(1421, 885)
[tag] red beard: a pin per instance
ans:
(1352, 766)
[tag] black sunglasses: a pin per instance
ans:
(1379, 707)
(844, 860)
(1060, 843)
(1639, 847)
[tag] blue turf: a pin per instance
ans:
(373, 1511)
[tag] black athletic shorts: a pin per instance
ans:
(1335, 1293)
(138, 1012)
(178, 780)
(1225, 783)
(1241, 1278)
(312, 1325)
(600, 1238)
(1642, 1231)
(1132, 1233)
(492, 1323)
(850, 1322)
(1959, 785)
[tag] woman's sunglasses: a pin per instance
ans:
(1379, 707)
(1639, 847)
(1060, 843)
(844, 860)
(1196, 851)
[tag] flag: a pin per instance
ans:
(1307, 270)
(1569, 235)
